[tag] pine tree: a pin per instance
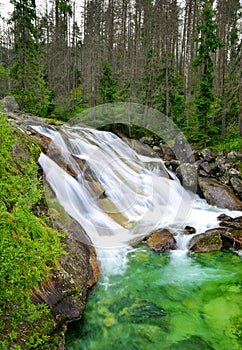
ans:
(108, 86)
(208, 43)
(29, 87)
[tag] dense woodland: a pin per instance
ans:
(180, 57)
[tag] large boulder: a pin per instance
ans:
(187, 174)
(182, 149)
(208, 241)
(162, 241)
(218, 194)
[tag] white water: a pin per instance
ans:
(132, 183)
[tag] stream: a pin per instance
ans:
(163, 301)
(143, 300)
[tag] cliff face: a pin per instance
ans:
(64, 292)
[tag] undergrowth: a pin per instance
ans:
(29, 249)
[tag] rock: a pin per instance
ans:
(222, 163)
(142, 148)
(224, 217)
(202, 173)
(158, 168)
(68, 287)
(175, 164)
(188, 230)
(9, 104)
(234, 172)
(207, 154)
(146, 140)
(233, 224)
(187, 174)
(235, 155)
(232, 239)
(167, 153)
(206, 167)
(161, 241)
(206, 242)
(218, 194)
(156, 148)
(182, 149)
(236, 184)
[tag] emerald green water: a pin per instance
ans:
(163, 301)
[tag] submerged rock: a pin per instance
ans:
(162, 241)
(218, 194)
(206, 242)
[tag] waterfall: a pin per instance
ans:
(117, 195)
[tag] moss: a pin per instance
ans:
(29, 248)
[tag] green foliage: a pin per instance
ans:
(208, 43)
(29, 248)
(108, 86)
(29, 86)
(3, 72)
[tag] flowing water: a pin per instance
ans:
(165, 302)
(144, 300)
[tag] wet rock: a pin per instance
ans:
(158, 168)
(140, 147)
(161, 241)
(207, 154)
(232, 239)
(167, 153)
(189, 230)
(67, 288)
(224, 217)
(206, 242)
(218, 194)
(234, 223)
(9, 104)
(187, 174)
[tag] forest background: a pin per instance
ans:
(182, 58)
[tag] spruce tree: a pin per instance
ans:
(29, 87)
(208, 43)
(108, 86)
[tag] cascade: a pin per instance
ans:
(117, 195)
